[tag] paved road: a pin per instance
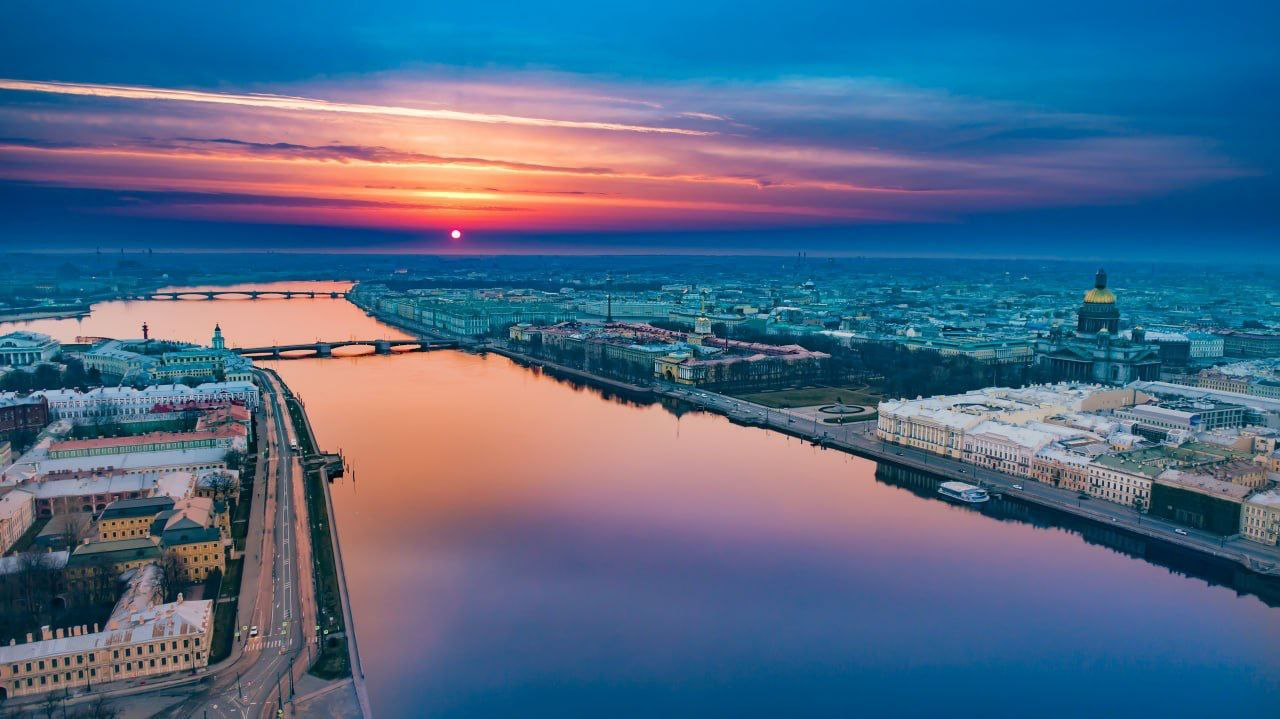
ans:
(276, 592)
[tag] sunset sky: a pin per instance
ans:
(990, 126)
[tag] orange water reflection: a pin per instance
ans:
(516, 544)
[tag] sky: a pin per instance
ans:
(983, 128)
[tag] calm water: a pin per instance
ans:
(520, 546)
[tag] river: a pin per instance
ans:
(518, 545)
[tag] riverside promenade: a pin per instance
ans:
(859, 438)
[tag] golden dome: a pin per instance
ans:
(1100, 296)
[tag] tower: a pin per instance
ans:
(146, 332)
(1099, 310)
(608, 294)
(218, 342)
(702, 326)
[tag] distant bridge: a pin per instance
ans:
(325, 349)
(240, 295)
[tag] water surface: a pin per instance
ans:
(517, 545)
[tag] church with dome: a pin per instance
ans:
(1096, 352)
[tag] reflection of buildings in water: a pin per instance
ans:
(1216, 572)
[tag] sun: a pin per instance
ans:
(456, 234)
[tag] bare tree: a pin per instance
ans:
(172, 577)
(101, 708)
(222, 485)
(74, 529)
(35, 579)
(235, 459)
(51, 705)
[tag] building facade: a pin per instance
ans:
(23, 349)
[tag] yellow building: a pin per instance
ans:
(191, 530)
(161, 639)
(129, 518)
(1260, 517)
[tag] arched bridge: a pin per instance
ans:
(241, 295)
(325, 349)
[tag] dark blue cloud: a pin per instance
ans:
(1202, 70)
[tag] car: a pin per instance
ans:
(964, 471)
(898, 453)
(1017, 486)
(1181, 531)
(253, 631)
(1082, 495)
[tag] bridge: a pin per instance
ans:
(240, 295)
(325, 349)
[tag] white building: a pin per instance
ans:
(940, 424)
(21, 349)
(120, 404)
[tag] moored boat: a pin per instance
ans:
(962, 492)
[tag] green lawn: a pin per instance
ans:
(809, 396)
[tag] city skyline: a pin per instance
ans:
(990, 131)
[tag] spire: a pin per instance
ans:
(608, 285)
(1100, 279)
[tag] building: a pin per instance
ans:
(1097, 353)
(231, 437)
(23, 349)
(940, 424)
(125, 404)
(93, 567)
(991, 351)
(1260, 378)
(27, 414)
(93, 491)
(1124, 478)
(1260, 517)
(1199, 500)
(191, 529)
(17, 514)
(1250, 344)
(141, 639)
(1187, 415)
(131, 518)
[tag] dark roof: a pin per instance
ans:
(114, 551)
(138, 507)
(175, 537)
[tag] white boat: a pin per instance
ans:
(962, 492)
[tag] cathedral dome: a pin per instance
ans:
(1100, 295)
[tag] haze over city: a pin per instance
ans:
(571, 359)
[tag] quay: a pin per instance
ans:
(858, 438)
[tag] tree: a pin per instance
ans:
(172, 577)
(234, 459)
(51, 705)
(74, 529)
(222, 485)
(101, 708)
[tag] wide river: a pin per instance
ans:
(519, 546)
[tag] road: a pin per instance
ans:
(276, 597)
